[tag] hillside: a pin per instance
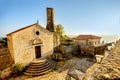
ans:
(5, 58)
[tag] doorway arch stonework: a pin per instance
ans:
(37, 45)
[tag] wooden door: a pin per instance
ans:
(38, 51)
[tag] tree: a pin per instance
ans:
(59, 30)
(65, 37)
(3, 41)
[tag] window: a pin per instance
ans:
(37, 33)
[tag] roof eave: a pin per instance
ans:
(20, 29)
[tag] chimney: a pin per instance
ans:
(50, 20)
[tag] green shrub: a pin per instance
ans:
(3, 42)
(50, 56)
(17, 68)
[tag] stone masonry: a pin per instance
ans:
(109, 69)
(33, 41)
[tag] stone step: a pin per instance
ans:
(37, 74)
(39, 67)
(39, 70)
(39, 64)
(48, 64)
(39, 61)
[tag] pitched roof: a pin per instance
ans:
(21, 29)
(27, 27)
(86, 37)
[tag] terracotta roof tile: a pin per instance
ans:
(85, 37)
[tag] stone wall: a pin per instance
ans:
(24, 50)
(87, 50)
(10, 45)
(74, 49)
(92, 50)
(56, 41)
(109, 69)
(5, 58)
(92, 42)
(82, 42)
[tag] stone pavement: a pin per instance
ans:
(80, 64)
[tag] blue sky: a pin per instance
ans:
(76, 16)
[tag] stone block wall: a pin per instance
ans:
(5, 58)
(92, 42)
(22, 42)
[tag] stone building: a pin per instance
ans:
(91, 40)
(34, 41)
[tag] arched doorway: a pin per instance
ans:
(37, 46)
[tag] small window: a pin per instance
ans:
(37, 33)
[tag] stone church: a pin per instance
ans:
(34, 41)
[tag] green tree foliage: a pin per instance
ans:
(65, 37)
(3, 41)
(17, 69)
(60, 31)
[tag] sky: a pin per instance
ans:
(76, 16)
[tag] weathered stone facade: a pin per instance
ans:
(88, 40)
(92, 42)
(50, 20)
(31, 42)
